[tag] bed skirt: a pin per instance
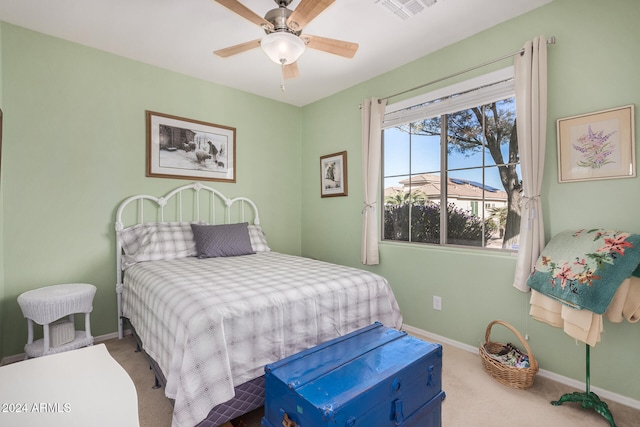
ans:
(248, 396)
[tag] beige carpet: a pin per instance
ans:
(473, 398)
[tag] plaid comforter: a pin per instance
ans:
(212, 324)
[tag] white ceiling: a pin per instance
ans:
(180, 35)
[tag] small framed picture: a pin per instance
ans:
(598, 145)
(333, 175)
(189, 149)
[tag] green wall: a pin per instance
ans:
(592, 67)
(2, 290)
(74, 147)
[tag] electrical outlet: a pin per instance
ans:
(437, 303)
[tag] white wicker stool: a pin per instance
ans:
(48, 304)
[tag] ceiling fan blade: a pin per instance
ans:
(305, 12)
(336, 47)
(237, 7)
(239, 48)
(290, 71)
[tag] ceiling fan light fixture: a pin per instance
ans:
(283, 47)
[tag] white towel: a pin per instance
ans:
(545, 309)
(583, 325)
(631, 309)
(614, 311)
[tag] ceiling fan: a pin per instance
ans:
(284, 42)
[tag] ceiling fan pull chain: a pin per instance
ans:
(282, 61)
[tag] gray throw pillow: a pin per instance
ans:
(222, 240)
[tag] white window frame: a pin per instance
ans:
(481, 90)
(476, 91)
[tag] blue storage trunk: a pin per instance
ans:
(373, 377)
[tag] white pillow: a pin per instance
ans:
(153, 241)
(258, 239)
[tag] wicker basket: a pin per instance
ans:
(520, 378)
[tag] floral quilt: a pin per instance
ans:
(584, 268)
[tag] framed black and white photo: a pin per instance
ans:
(333, 175)
(189, 149)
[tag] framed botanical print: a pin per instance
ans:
(599, 145)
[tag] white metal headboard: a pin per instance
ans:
(183, 204)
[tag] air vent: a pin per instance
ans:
(405, 8)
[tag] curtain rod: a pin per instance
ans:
(552, 40)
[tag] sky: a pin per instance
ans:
(425, 151)
(400, 147)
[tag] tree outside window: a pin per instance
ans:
(467, 161)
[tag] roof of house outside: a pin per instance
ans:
(429, 184)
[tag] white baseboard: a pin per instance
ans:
(18, 357)
(578, 385)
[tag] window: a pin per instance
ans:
(455, 148)
(474, 207)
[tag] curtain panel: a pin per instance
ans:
(372, 115)
(531, 108)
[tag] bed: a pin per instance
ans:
(210, 303)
